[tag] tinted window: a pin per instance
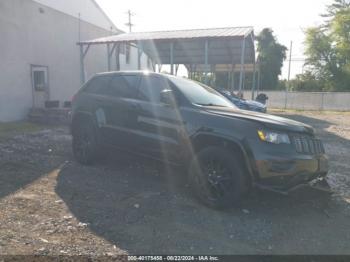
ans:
(124, 86)
(98, 85)
(151, 87)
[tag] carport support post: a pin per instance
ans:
(172, 58)
(206, 60)
(109, 57)
(139, 54)
(242, 67)
(117, 60)
(253, 85)
(259, 80)
(232, 77)
(176, 68)
(138, 59)
(110, 54)
(82, 69)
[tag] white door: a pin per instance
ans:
(40, 86)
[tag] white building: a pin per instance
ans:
(39, 56)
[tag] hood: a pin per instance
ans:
(269, 121)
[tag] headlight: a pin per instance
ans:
(273, 137)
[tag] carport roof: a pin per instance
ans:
(212, 46)
(227, 32)
(199, 47)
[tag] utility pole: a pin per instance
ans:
(290, 63)
(129, 24)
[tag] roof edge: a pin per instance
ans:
(191, 29)
(103, 39)
(106, 16)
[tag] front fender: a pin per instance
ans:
(226, 142)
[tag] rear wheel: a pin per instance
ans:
(84, 144)
(217, 178)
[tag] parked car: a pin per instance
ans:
(242, 103)
(226, 151)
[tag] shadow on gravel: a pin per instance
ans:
(144, 207)
(27, 157)
(16, 175)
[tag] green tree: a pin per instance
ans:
(307, 82)
(271, 57)
(328, 48)
(334, 8)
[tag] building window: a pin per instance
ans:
(39, 80)
(127, 54)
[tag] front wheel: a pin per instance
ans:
(84, 144)
(217, 178)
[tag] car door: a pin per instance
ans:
(40, 83)
(158, 124)
(116, 112)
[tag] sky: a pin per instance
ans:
(288, 19)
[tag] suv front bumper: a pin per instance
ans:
(284, 175)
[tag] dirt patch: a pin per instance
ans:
(125, 205)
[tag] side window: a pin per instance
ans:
(151, 87)
(124, 86)
(177, 95)
(98, 85)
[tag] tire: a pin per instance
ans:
(217, 178)
(85, 145)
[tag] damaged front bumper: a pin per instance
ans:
(319, 184)
(286, 176)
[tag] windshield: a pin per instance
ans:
(201, 94)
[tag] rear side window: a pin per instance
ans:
(98, 85)
(124, 86)
(151, 87)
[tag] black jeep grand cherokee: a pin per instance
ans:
(225, 150)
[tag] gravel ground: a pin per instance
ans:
(49, 204)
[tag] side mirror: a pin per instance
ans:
(167, 97)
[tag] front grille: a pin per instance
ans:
(307, 145)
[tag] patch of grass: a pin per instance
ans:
(13, 128)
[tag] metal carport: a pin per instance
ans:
(203, 50)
